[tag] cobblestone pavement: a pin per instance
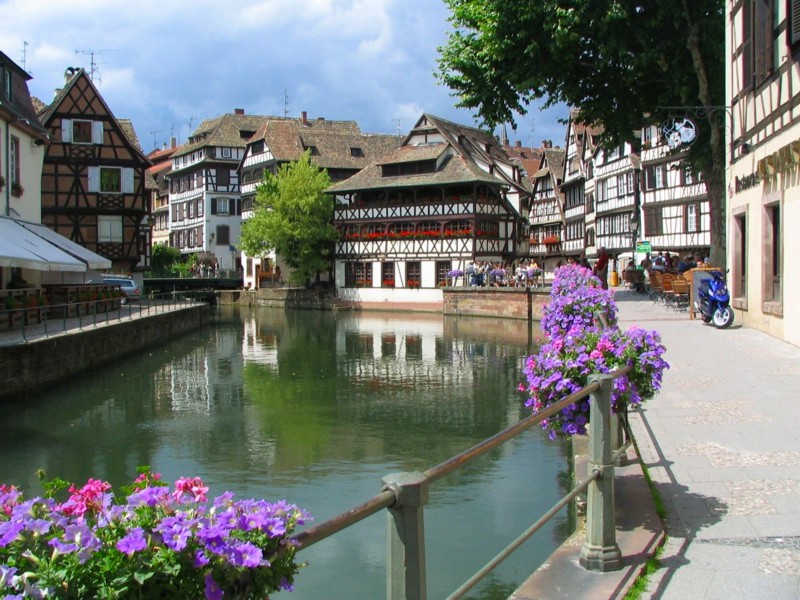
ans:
(723, 449)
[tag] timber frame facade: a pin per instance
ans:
(763, 203)
(94, 176)
(547, 209)
(448, 196)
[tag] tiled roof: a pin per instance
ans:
(456, 157)
(529, 158)
(21, 106)
(338, 144)
(555, 161)
(229, 130)
(127, 128)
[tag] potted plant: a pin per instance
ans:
(13, 314)
(17, 190)
(149, 541)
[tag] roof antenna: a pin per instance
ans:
(398, 122)
(93, 67)
(285, 102)
(24, 55)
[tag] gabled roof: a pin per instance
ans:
(230, 130)
(79, 75)
(21, 109)
(529, 158)
(456, 159)
(337, 144)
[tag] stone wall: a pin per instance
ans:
(43, 363)
(321, 299)
(507, 303)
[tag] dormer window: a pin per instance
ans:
(358, 152)
(313, 150)
(257, 147)
(7, 85)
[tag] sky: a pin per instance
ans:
(168, 65)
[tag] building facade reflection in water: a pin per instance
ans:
(316, 408)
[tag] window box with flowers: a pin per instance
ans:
(551, 239)
(413, 284)
(17, 190)
(388, 283)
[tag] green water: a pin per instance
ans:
(316, 408)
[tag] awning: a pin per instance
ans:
(22, 248)
(92, 260)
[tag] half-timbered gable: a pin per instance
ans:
(763, 204)
(547, 206)
(94, 176)
(339, 147)
(447, 196)
(675, 205)
(205, 193)
(159, 194)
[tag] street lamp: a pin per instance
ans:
(634, 233)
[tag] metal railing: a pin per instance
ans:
(55, 319)
(405, 496)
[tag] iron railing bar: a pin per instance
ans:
(541, 522)
(358, 513)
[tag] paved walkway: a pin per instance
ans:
(722, 445)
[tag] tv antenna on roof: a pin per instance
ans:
(153, 133)
(399, 123)
(285, 102)
(24, 56)
(93, 68)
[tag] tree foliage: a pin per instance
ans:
(622, 63)
(292, 216)
(163, 257)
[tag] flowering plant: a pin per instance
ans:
(497, 275)
(158, 543)
(577, 348)
(575, 299)
(532, 273)
(455, 273)
(563, 366)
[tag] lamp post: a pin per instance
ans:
(634, 233)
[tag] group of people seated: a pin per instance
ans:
(673, 263)
(483, 273)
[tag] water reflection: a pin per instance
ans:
(316, 408)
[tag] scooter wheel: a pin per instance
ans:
(723, 317)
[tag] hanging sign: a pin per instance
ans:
(679, 131)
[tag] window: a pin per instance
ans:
(656, 177)
(692, 218)
(226, 153)
(772, 255)
(82, 132)
(313, 150)
(758, 41)
(653, 221)
(109, 228)
(257, 147)
(7, 85)
(223, 235)
(111, 180)
(413, 274)
(358, 274)
(387, 274)
(358, 152)
(14, 167)
(443, 267)
(223, 177)
(222, 206)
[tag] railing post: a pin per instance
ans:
(600, 551)
(405, 578)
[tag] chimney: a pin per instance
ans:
(518, 144)
(238, 111)
(304, 118)
(174, 143)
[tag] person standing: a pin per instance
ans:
(601, 267)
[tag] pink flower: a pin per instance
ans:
(192, 486)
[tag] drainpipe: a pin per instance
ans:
(6, 167)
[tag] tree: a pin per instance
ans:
(292, 216)
(163, 257)
(621, 63)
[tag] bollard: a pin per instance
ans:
(406, 537)
(600, 551)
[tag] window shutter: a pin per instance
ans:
(97, 132)
(127, 180)
(238, 206)
(794, 22)
(747, 45)
(94, 179)
(213, 206)
(66, 130)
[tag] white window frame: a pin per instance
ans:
(109, 229)
(126, 180)
(223, 201)
(692, 218)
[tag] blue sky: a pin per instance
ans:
(167, 64)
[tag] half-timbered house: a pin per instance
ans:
(448, 196)
(205, 196)
(547, 209)
(159, 193)
(763, 204)
(93, 179)
(336, 146)
(615, 195)
(674, 200)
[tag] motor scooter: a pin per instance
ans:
(713, 301)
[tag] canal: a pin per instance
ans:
(316, 408)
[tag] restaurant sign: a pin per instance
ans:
(679, 131)
(779, 161)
